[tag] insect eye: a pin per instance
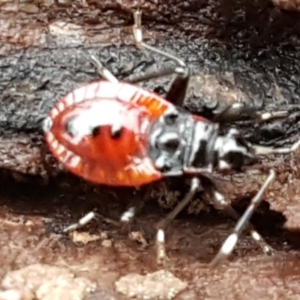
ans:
(171, 117)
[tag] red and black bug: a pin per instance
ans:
(100, 132)
(119, 134)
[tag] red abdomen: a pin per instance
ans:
(99, 132)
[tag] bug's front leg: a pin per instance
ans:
(261, 150)
(215, 198)
(240, 112)
(242, 223)
(162, 225)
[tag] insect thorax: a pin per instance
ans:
(180, 143)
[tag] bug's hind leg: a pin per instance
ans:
(219, 202)
(260, 150)
(87, 218)
(126, 217)
(177, 91)
(136, 204)
(162, 225)
(244, 112)
(102, 71)
(242, 223)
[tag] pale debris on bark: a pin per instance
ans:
(138, 237)
(86, 237)
(288, 4)
(158, 285)
(44, 282)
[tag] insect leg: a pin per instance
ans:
(219, 202)
(155, 75)
(126, 217)
(128, 214)
(87, 219)
(243, 112)
(259, 150)
(102, 71)
(242, 223)
(136, 204)
(177, 91)
(161, 226)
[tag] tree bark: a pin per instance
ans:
(244, 50)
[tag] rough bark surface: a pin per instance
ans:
(237, 51)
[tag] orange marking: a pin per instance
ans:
(121, 176)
